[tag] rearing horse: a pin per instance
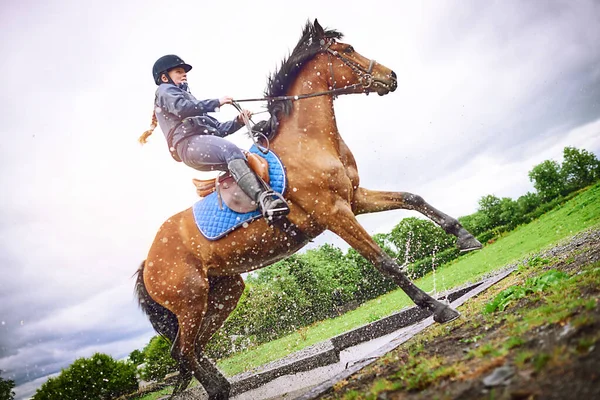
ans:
(188, 285)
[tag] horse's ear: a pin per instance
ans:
(319, 30)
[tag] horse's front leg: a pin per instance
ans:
(343, 223)
(369, 201)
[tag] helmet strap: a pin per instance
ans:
(169, 80)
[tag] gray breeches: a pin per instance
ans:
(208, 153)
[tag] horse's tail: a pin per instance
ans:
(163, 321)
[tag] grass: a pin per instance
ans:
(578, 214)
(532, 285)
(405, 370)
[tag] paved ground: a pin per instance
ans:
(292, 386)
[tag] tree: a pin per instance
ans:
(490, 207)
(136, 357)
(157, 355)
(580, 168)
(98, 377)
(416, 238)
(6, 388)
(474, 223)
(527, 203)
(509, 213)
(548, 180)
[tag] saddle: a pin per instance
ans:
(227, 189)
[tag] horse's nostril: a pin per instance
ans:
(394, 75)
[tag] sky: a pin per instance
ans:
(486, 90)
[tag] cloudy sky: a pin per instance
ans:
(486, 91)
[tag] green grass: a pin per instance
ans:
(532, 285)
(513, 340)
(578, 214)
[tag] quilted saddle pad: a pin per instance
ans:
(214, 222)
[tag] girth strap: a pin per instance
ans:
(286, 226)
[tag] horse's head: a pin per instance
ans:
(349, 69)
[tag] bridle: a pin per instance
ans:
(364, 74)
(365, 81)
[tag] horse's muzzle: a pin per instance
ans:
(387, 86)
(394, 84)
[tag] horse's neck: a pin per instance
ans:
(310, 131)
(313, 116)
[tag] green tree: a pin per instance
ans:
(548, 180)
(157, 355)
(416, 238)
(474, 223)
(580, 168)
(509, 213)
(6, 388)
(136, 357)
(491, 209)
(528, 203)
(98, 377)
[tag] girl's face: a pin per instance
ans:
(177, 75)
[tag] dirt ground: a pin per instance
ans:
(544, 345)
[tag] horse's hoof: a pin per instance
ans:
(445, 315)
(219, 396)
(221, 393)
(467, 242)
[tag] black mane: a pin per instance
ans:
(308, 46)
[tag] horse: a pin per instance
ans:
(188, 285)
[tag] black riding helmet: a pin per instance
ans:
(167, 63)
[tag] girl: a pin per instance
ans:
(196, 139)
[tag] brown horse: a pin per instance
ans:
(189, 285)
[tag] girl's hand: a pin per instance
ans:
(246, 113)
(226, 100)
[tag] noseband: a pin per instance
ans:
(364, 75)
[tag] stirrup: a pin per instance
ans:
(272, 212)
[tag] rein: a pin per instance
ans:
(336, 91)
(366, 80)
(365, 76)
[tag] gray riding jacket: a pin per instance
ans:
(181, 115)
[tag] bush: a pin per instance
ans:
(428, 264)
(98, 377)
(158, 360)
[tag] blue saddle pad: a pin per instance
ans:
(215, 222)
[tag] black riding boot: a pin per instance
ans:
(270, 202)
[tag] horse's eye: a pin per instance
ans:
(349, 49)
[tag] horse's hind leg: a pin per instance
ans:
(343, 223)
(369, 201)
(225, 291)
(183, 288)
